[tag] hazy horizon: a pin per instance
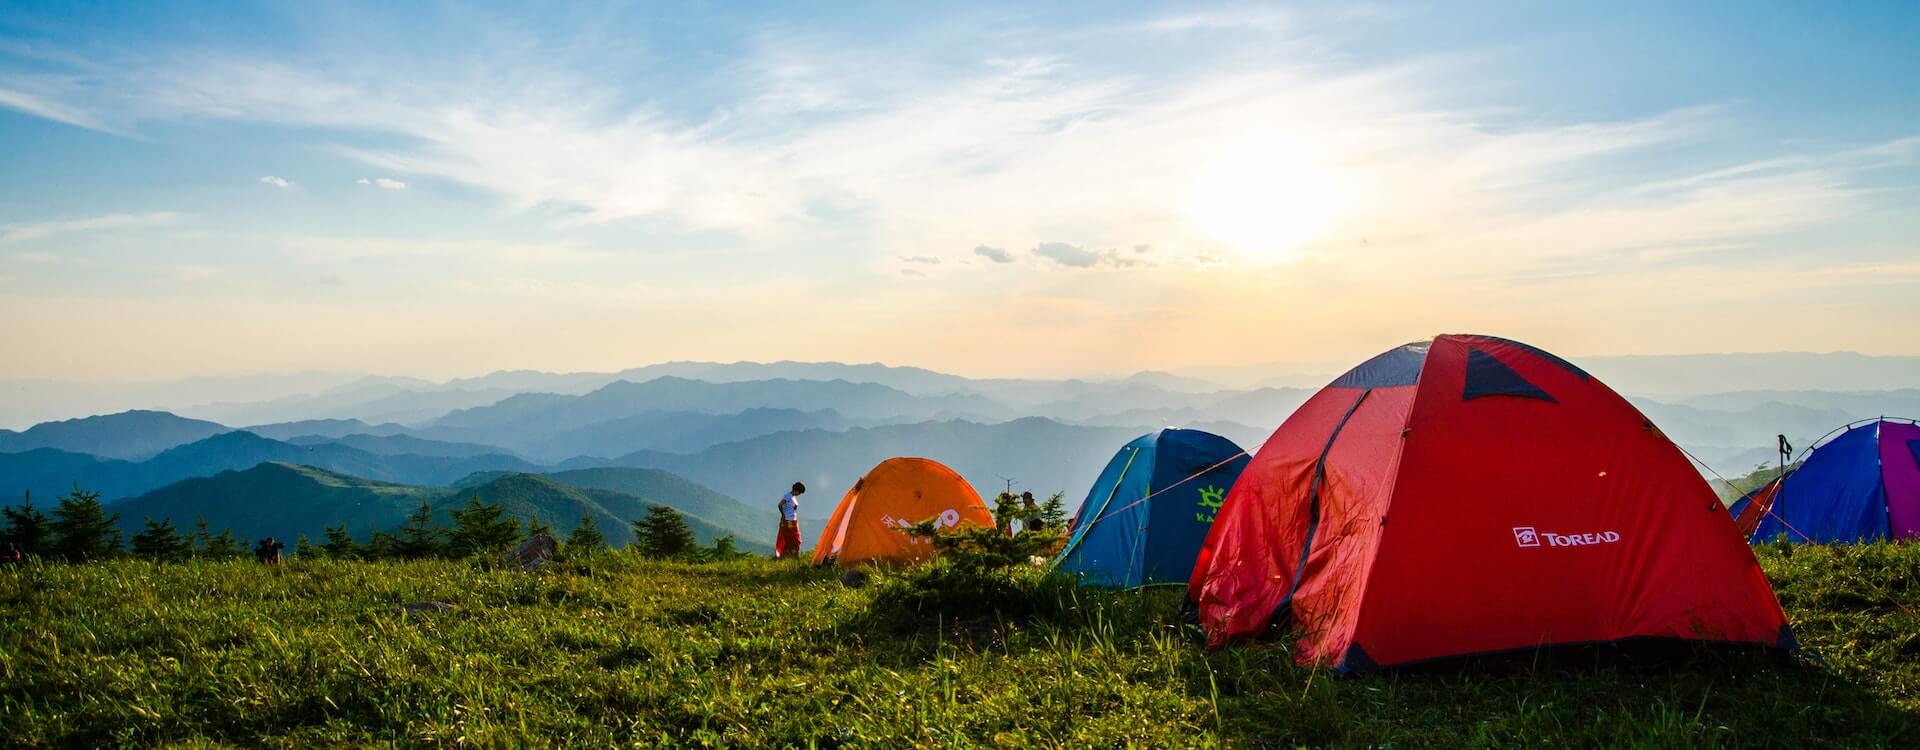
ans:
(1235, 375)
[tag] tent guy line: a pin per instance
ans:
(1104, 514)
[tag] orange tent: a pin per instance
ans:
(869, 522)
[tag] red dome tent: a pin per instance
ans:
(1472, 495)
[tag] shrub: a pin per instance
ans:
(954, 594)
(981, 574)
(977, 548)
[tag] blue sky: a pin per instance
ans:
(443, 189)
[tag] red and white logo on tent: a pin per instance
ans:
(1527, 536)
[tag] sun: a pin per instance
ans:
(1266, 199)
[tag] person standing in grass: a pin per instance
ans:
(1031, 513)
(268, 551)
(786, 542)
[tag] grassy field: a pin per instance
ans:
(620, 651)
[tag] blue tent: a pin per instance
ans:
(1862, 486)
(1145, 519)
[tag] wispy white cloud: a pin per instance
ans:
(1074, 256)
(928, 151)
(928, 154)
(927, 148)
(41, 107)
(995, 254)
(277, 182)
(41, 230)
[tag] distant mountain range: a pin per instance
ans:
(670, 431)
(129, 436)
(260, 400)
(48, 472)
(401, 445)
(749, 429)
(549, 412)
(287, 500)
(1675, 376)
(1040, 455)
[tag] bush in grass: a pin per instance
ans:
(980, 574)
(981, 549)
(723, 550)
(953, 594)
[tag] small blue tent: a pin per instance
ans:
(1862, 486)
(1146, 517)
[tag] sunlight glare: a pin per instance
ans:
(1266, 199)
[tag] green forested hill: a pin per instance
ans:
(277, 499)
(287, 500)
(561, 506)
(687, 496)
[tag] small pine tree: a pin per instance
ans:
(26, 526)
(340, 544)
(663, 534)
(417, 538)
(381, 546)
(224, 546)
(161, 542)
(1053, 512)
(586, 538)
(723, 550)
(482, 529)
(82, 530)
(304, 549)
(202, 538)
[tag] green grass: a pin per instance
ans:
(756, 653)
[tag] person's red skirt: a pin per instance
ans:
(787, 542)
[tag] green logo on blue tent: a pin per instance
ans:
(1210, 499)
